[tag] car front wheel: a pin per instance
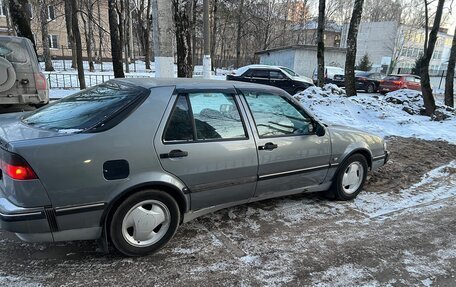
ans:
(349, 180)
(144, 222)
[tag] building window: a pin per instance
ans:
(51, 12)
(53, 42)
(2, 9)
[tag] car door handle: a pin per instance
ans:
(268, 146)
(176, 153)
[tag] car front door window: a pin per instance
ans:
(275, 115)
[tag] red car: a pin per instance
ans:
(397, 82)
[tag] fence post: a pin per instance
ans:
(63, 59)
(441, 78)
(49, 81)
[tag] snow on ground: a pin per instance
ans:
(374, 114)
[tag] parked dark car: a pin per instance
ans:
(396, 82)
(367, 81)
(280, 77)
(130, 160)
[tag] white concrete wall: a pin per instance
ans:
(303, 60)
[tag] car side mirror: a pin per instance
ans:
(319, 129)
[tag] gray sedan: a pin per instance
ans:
(126, 162)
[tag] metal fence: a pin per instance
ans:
(71, 80)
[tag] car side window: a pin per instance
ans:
(264, 74)
(275, 115)
(248, 73)
(276, 75)
(180, 127)
(211, 116)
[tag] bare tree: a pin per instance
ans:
(87, 20)
(239, 31)
(321, 43)
(69, 28)
(78, 43)
(182, 15)
(350, 86)
(449, 89)
(147, 33)
(45, 35)
(429, 102)
(116, 49)
(21, 19)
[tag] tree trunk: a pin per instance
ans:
(45, 36)
(148, 32)
(78, 43)
(449, 89)
(214, 32)
(90, 45)
(321, 44)
(100, 36)
(239, 31)
(350, 85)
(182, 11)
(20, 19)
(69, 29)
(116, 49)
(429, 102)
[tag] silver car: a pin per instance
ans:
(21, 79)
(128, 161)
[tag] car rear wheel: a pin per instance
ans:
(144, 222)
(349, 180)
(370, 88)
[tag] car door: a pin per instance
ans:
(205, 143)
(417, 81)
(280, 80)
(260, 76)
(291, 156)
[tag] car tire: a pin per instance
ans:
(144, 222)
(349, 179)
(370, 88)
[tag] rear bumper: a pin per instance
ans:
(22, 220)
(42, 224)
(11, 99)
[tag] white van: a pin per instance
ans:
(333, 75)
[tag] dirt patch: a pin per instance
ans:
(410, 159)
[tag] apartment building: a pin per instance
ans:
(58, 41)
(395, 47)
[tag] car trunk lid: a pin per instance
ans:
(12, 129)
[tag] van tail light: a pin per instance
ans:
(16, 167)
(397, 83)
(40, 82)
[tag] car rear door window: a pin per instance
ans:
(275, 115)
(263, 74)
(205, 116)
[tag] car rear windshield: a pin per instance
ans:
(392, 78)
(14, 50)
(87, 109)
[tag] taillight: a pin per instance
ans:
(16, 167)
(362, 79)
(40, 82)
(397, 83)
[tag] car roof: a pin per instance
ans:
(403, 75)
(259, 66)
(192, 84)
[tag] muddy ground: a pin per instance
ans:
(396, 233)
(410, 159)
